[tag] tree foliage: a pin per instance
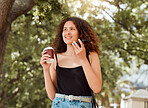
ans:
(122, 29)
(22, 79)
(123, 35)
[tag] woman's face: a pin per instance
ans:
(70, 32)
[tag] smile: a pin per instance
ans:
(68, 37)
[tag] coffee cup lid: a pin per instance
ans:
(47, 48)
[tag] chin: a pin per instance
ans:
(68, 42)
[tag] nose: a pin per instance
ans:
(68, 32)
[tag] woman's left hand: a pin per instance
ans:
(80, 51)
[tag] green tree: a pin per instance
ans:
(122, 37)
(9, 11)
(22, 79)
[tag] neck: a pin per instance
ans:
(70, 50)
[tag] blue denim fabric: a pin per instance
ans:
(65, 103)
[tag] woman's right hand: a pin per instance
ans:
(45, 57)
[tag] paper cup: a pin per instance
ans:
(50, 52)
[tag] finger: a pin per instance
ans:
(76, 45)
(44, 52)
(81, 43)
(46, 55)
(76, 49)
(44, 60)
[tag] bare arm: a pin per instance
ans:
(49, 76)
(92, 71)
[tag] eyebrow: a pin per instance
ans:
(69, 27)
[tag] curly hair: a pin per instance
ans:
(85, 33)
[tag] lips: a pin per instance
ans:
(68, 37)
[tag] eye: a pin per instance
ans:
(72, 28)
(64, 29)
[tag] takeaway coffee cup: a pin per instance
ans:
(50, 52)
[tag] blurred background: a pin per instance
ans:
(27, 27)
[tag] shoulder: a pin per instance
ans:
(93, 56)
(57, 56)
(93, 53)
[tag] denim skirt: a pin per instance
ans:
(59, 102)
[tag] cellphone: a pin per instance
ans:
(84, 42)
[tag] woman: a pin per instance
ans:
(76, 68)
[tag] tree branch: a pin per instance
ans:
(3, 95)
(120, 24)
(129, 52)
(139, 50)
(35, 67)
(115, 3)
(14, 94)
(20, 7)
(146, 60)
(5, 7)
(3, 41)
(18, 77)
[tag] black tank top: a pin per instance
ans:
(72, 81)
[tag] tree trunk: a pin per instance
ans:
(3, 42)
(5, 7)
(107, 100)
(9, 11)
